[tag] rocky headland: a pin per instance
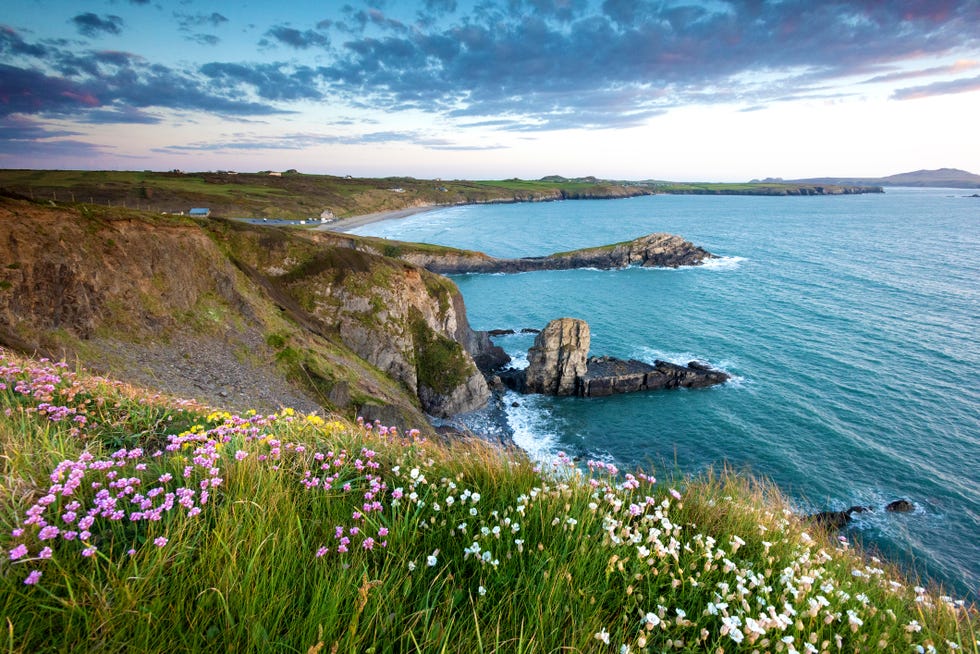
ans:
(653, 250)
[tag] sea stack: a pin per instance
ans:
(558, 357)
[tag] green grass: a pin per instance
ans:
(472, 548)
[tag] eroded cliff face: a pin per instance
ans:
(167, 301)
(408, 322)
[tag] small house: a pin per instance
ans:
(200, 212)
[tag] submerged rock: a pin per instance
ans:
(836, 519)
(900, 506)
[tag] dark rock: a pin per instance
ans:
(836, 519)
(900, 506)
(514, 379)
(515, 404)
(530, 330)
(500, 332)
(608, 376)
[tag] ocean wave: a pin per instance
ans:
(528, 421)
(722, 263)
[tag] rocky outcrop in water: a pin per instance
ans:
(609, 376)
(836, 519)
(559, 365)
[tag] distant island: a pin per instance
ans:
(940, 178)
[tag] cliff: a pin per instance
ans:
(229, 313)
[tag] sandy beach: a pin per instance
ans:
(353, 222)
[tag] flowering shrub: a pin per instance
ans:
(291, 531)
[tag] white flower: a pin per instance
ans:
(431, 560)
(411, 565)
(651, 619)
(603, 636)
(482, 591)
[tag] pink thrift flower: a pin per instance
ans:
(45, 553)
(160, 541)
(18, 552)
(240, 454)
(320, 552)
(89, 551)
(675, 494)
(33, 577)
(383, 532)
(368, 543)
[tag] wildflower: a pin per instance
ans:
(431, 560)
(18, 552)
(33, 577)
(45, 553)
(675, 494)
(240, 455)
(603, 636)
(651, 619)
(89, 551)
(320, 552)
(160, 541)
(482, 591)
(411, 565)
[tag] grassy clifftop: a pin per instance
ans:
(289, 195)
(132, 522)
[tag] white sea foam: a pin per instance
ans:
(529, 424)
(722, 263)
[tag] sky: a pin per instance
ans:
(679, 90)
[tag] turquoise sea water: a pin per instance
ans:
(851, 325)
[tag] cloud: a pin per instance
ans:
(964, 85)
(58, 81)
(20, 128)
(540, 60)
(204, 39)
(297, 39)
(90, 25)
(11, 43)
(26, 91)
(119, 115)
(272, 81)
(187, 22)
(306, 140)
(27, 142)
(958, 67)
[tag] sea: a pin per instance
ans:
(850, 325)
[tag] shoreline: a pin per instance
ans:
(353, 222)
